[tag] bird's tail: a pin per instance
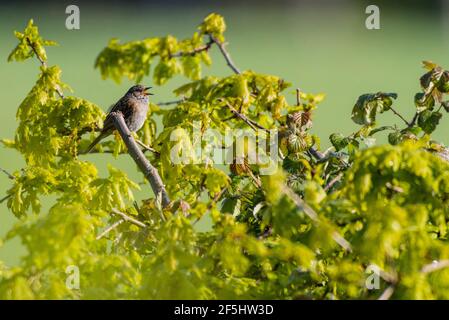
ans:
(100, 137)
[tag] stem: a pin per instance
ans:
(303, 206)
(129, 219)
(431, 267)
(386, 295)
(150, 172)
(168, 103)
(412, 123)
(206, 47)
(400, 116)
(5, 198)
(44, 64)
(148, 148)
(212, 203)
(110, 228)
(10, 176)
(374, 131)
(333, 181)
(225, 54)
(317, 154)
(298, 97)
(253, 124)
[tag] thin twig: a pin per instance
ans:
(129, 219)
(412, 123)
(391, 278)
(44, 64)
(316, 154)
(225, 54)
(193, 52)
(5, 198)
(110, 228)
(10, 176)
(374, 131)
(400, 116)
(388, 292)
(150, 172)
(147, 148)
(253, 124)
(303, 206)
(211, 204)
(298, 97)
(333, 181)
(168, 103)
(434, 266)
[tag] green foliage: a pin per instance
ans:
(24, 50)
(310, 229)
(134, 59)
(368, 105)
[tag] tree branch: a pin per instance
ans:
(129, 219)
(150, 172)
(44, 64)
(316, 154)
(412, 123)
(434, 266)
(298, 97)
(147, 148)
(206, 47)
(388, 292)
(303, 206)
(225, 54)
(333, 181)
(5, 198)
(253, 124)
(10, 176)
(110, 228)
(400, 116)
(168, 103)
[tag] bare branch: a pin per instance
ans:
(400, 116)
(314, 216)
(412, 123)
(386, 295)
(374, 131)
(147, 148)
(5, 198)
(212, 203)
(129, 219)
(434, 266)
(168, 103)
(150, 172)
(10, 176)
(316, 154)
(253, 124)
(110, 228)
(225, 54)
(333, 181)
(44, 64)
(298, 97)
(206, 47)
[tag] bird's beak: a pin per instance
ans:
(148, 93)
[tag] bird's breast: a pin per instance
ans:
(138, 117)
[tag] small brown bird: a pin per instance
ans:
(134, 107)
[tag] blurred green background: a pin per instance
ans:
(319, 46)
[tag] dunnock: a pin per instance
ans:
(134, 107)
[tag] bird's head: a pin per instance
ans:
(139, 91)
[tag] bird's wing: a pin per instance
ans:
(125, 105)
